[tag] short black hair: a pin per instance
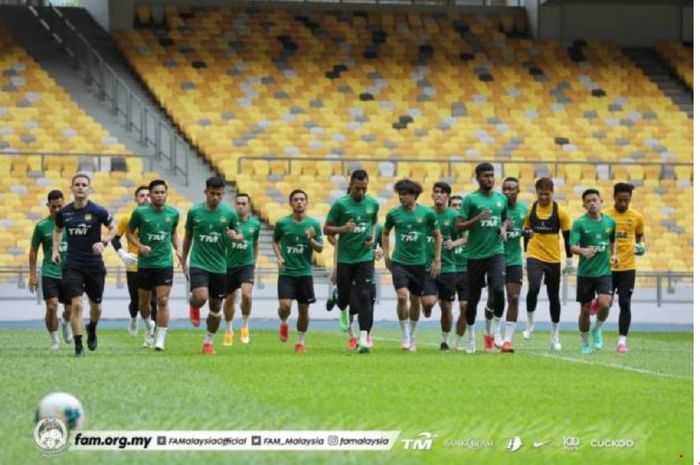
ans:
(408, 186)
(589, 192)
(215, 182)
(511, 179)
(139, 189)
(243, 194)
(623, 188)
(443, 186)
(455, 197)
(359, 175)
(54, 195)
(157, 182)
(544, 184)
(298, 191)
(483, 167)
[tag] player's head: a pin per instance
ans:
(622, 193)
(142, 195)
(80, 186)
(242, 204)
(214, 190)
(456, 202)
(545, 190)
(158, 190)
(592, 201)
(55, 202)
(298, 200)
(441, 193)
(359, 180)
(511, 189)
(484, 176)
(408, 191)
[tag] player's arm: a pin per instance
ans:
(464, 222)
(640, 247)
(334, 273)
(330, 226)
(276, 249)
(131, 236)
(175, 240)
(33, 278)
(437, 250)
(565, 222)
(56, 241)
(386, 242)
(315, 238)
(613, 245)
(576, 249)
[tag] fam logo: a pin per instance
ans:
(51, 436)
(424, 441)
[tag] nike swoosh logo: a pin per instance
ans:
(537, 445)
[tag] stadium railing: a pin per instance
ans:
(103, 161)
(154, 131)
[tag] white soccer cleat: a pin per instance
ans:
(160, 341)
(55, 345)
(529, 331)
(148, 342)
(498, 339)
(406, 343)
(67, 332)
(133, 327)
(556, 344)
(470, 347)
(413, 346)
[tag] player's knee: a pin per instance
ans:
(513, 299)
(604, 301)
(162, 302)
(402, 295)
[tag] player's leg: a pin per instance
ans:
(199, 294)
(585, 292)
(145, 290)
(51, 321)
(552, 280)
(446, 295)
(163, 319)
(73, 285)
(399, 278)
(535, 270)
(514, 282)
(94, 288)
(246, 307)
(229, 305)
(623, 281)
(154, 305)
(65, 321)
(475, 279)
(415, 289)
(496, 272)
(217, 292)
(366, 320)
(429, 297)
(345, 277)
(132, 284)
(286, 294)
(462, 288)
(305, 297)
(603, 288)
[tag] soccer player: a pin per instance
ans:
(353, 218)
(461, 285)
(84, 269)
(516, 211)
(240, 271)
(484, 214)
(130, 259)
(442, 286)
(295, 238)
(51, 273)
(153, 230)
(414, 223)
(593, 239)
(629, 227)
(208, 228)
(543, 224)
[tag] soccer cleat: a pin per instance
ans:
(148, 341)
(208, 348)
(597, 339)
(133, 327)
(245, 335)
(362, 349)
(352, 343)
(488, 343)
(160, 344)
(67, 332)
(413, 347)
(55, 345)
(194, 316)
(79, 351)
(344, 320)
(594, 307)
(621, 348)
(300, 347)
(471, 347)
(406, 343)
(529, 331)
(586, 350)
(507, 347)
(498, 339)
(228, 338)
(556, 344)
(332, 299)
(444, 346)
(91, 337)
(284, 333)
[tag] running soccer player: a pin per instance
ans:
(240, 270)
(153, 230)
(353, 218)
(442, 287)
(414, 223)
(295, 239)
(629, 227)
(542, 225)
(51, 273)
(84, 269)
(209, 226)
(593, 239)
(516, 211)
(484, 214)
(461, 285)
(130, 259)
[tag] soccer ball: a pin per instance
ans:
(62, 406)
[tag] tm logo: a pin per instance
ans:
(410, 237)
(211, 238)
(424, 441)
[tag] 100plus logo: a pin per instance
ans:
(424, 441)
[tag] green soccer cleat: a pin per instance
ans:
(344, 320)
(597, 339)
(586, 350)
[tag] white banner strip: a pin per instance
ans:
(234, 440)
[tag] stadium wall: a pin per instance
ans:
(99, 9)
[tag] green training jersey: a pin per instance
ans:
(412, 229)
(484, 240)
(43, 235)
(294, 244)
(446, 222)
(461, 258)
(209, 239)
(242, 253)
(513, 247)
(351, 246)
(587, 232)
(155, 229)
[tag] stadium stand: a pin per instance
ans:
(679, 58)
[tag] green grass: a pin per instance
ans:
(645, 395)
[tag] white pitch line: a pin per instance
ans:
(615, 366)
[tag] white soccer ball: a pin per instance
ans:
(61, 406)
